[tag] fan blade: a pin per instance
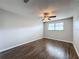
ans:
(52, 16)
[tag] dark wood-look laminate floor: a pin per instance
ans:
(41, 49)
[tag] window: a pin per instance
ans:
(56, 26)
(51, 27)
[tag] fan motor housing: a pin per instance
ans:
(25, 1)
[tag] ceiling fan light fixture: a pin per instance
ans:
(47, 17)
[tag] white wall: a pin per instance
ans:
(76, 32)
(76, 26)
(66, 35)
(17, 29)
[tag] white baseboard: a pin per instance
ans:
(76, 50)
(62, 40)
(65, 41)
(17, 45)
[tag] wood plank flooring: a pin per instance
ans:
(41, 49)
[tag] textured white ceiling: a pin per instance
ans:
(61, 8)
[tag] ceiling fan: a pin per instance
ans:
(47, 16)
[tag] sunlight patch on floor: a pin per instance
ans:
(55, 51)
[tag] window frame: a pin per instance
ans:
(56, 26)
